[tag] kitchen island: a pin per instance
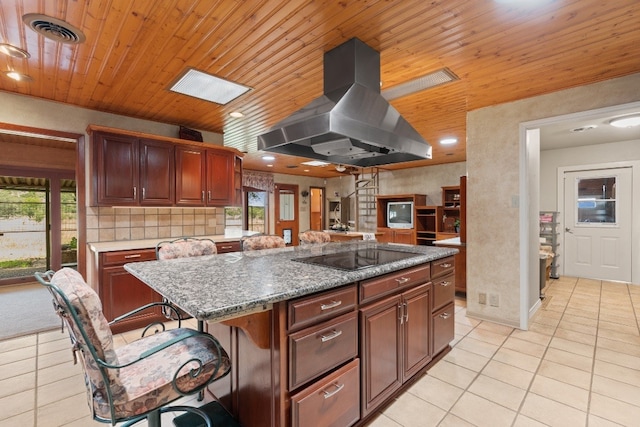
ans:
(298, 332)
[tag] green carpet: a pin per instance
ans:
(219, 417)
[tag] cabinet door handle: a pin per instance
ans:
(328, 394)
(445, 315)
(132, 256)
(332, 304)
(406, 312)
(401, 313)
(402, 280)
(135, 192)
(334, 334)
(445, 283)
(445, 265)
(209, 194)
(203, 195)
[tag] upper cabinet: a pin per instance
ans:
(205, 177)
(138, 170)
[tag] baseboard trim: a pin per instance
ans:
(499, 321)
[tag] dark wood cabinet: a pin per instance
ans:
(191, 178)
(120, 292)
(135, 169)
(132, 172)
(205, 177)
(157, 171)
(116, 177)
(396, 334)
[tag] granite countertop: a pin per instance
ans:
(125, 245)
(222, 286)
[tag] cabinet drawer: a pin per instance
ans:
(443, 328)
(444, 290)
(308, 310)
(224, 247)
(333, 401)
(123, 257)
(318, 349)
(389, 283)
(442, 266)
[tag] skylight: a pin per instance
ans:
(208, 87)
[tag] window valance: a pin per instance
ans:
(258, 180)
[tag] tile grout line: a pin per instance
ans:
(593, 362)
(533, 377)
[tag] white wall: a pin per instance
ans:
(551, 160)
(494, 167)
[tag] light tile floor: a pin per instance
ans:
(577, 365)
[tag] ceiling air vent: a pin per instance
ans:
(53, 28)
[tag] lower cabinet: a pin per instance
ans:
(395, 343)
(120, 292)
(333, 401)
(393, 235)
(336, 357)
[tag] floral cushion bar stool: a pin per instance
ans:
(314, 236)
(183, 247)
(136, 381)
(262, 241)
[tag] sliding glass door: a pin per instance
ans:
(38, 225)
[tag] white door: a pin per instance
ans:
(597, 221)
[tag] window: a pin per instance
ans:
(596, 201)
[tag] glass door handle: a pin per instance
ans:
(568, 230)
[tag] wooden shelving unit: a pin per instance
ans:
(426, 217)
(448, 213)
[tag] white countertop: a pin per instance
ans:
(124, 245)
(455, 241)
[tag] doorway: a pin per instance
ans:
(38, 224)
(316, 209)
(286, 211)
(597, 223)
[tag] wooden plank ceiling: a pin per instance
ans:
(134, 50)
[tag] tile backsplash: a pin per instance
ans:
(108, 224)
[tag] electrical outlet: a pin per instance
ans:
(494, 300)
(482, 298)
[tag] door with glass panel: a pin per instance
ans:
(286, 211)
(597, 224)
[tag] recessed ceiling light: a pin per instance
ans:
(236, 114)
(315, 163)
(207, 87)
(18, 76)
(14, 51)
(626, 122)
(268, 158)
(448, 141)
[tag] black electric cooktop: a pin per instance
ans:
(358, 259)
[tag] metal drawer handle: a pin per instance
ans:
(334, 334)
(445, 283)
(132, 256)
(328, 394)
(402, 280)
(445, 315)
(226, 247)
(332, 304)
(445, 265)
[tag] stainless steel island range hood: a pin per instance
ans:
(351, 123)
